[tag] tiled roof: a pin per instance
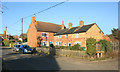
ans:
(84, 28)
(72, 30)
(47, 27)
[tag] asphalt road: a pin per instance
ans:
(15, 61)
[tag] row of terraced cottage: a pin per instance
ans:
(59, 35)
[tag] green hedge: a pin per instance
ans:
(105, 46)
(6, 42)
(91, 46)
(12, 44)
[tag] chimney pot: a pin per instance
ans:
(70, 25)
(33, 19)
(81, 23)
(63, 25)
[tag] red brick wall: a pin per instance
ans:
(49, 38)
(93, 32)
(70, 39)
(31, 35)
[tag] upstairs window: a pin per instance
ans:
(66, 35)
(59, 36)
(77, 35)
(44, 34)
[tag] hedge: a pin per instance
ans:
(6, 42)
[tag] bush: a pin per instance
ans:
(6, 42)
(105, 46)
(51, 45)
(75, 47)
(91, 46)
(83, 48)
(12, 44)
(19, 41)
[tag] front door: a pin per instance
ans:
(69, 44)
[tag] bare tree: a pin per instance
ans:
(39, 38)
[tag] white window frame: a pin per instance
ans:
(60, 43)
(51, 42)
(65, 44)
(59, 36)
(77, 35)
(46, 42)
(44, 33)
(56, 43)
(77, 43)
(66, 35)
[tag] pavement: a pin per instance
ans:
(15, 61)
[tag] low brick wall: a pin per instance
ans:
(62, 52)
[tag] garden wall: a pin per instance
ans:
(62, 52)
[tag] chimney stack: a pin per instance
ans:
(63, 25)
(70, 25)
(33, 19)
(81, 23)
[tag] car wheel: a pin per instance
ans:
(21, 51)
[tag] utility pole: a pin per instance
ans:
(22, 29)
(6, 31)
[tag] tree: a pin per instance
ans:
(115, 32)
(105, 45)
(91, 46)
(39, 38)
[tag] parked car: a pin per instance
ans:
(16, 48)
(25, 49)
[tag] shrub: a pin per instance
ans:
(105, 46)
(91, 46)
(75, 47)
(62, 47)
(51, 45)
(12, 44)
(83, 48)
(6, 42)
(19, 41)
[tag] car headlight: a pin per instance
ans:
(25, 50)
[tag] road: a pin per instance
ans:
(15, 61)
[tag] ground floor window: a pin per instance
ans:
(65, 44)
(45, 43)
(77, 43)
(55, 43)
(60, 43)
(51, 42)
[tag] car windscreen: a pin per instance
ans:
(25, 46)
(18, 45)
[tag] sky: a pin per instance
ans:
(104, 14)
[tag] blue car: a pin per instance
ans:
(25, 49)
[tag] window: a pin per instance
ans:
(66, 35)
(55, 43)
(45, 43)
(60, 43)
(64, 44)
(77, 35)
(44, 34)
(77, 43)
(59, 36)
(51, 42)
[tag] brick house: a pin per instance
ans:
(60, 35)
(43, 29)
